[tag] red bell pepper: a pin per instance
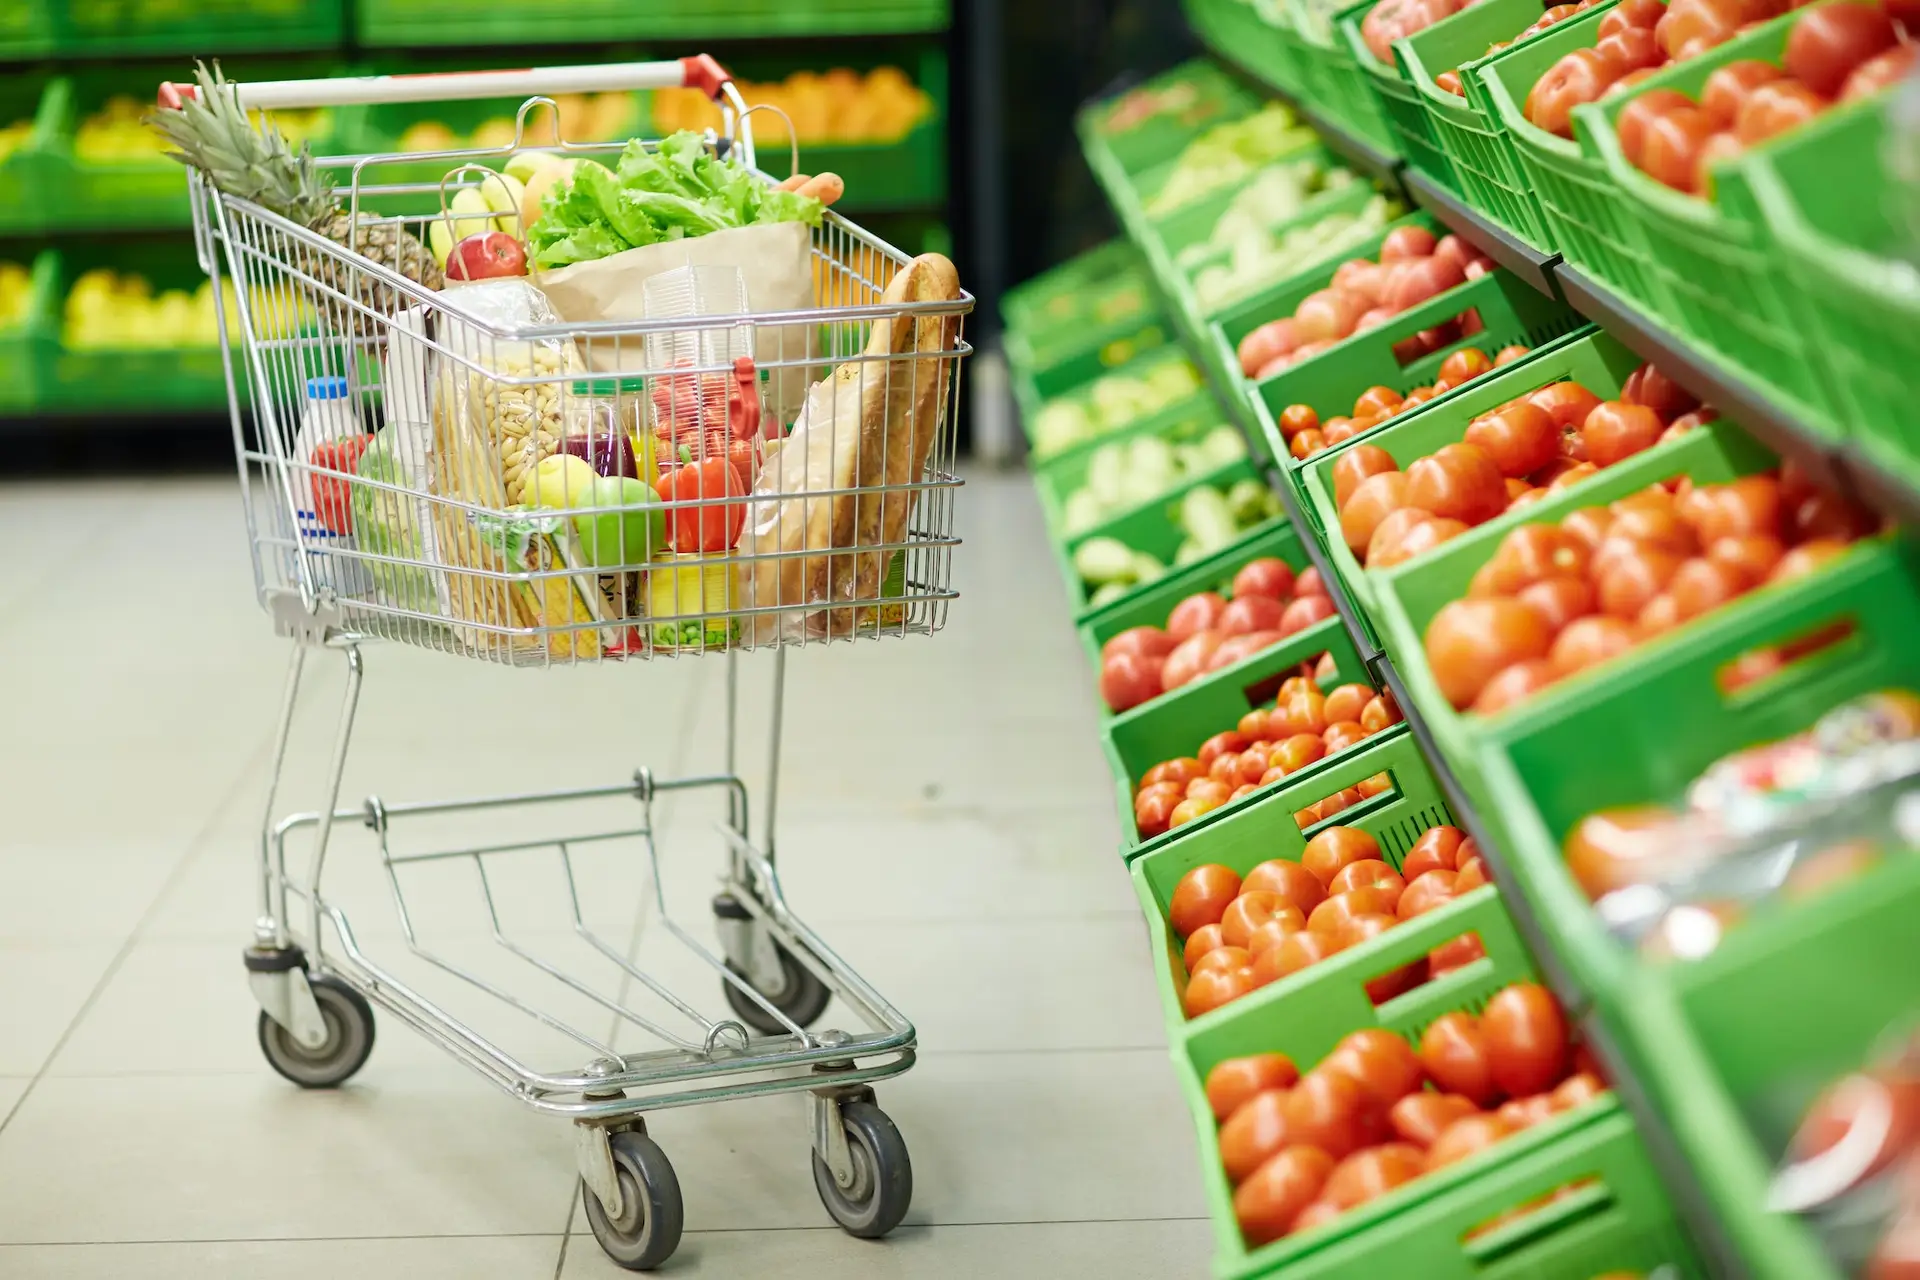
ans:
(333, 499)
(708, 528)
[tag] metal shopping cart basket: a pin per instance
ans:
(460, 468)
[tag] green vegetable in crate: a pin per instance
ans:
(1276, 194)
(676, 191)
(1120, 476)
(1226, 153)
(1257, 261)
(388, 523)
(211, 132)
(1110, 402)
(1109, 562)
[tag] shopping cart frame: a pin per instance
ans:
(316, 981)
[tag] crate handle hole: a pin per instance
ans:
(1348, 804)
(1767, 668)
(1448, 334)
(1513, 1231)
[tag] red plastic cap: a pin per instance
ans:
(174, 96)
(702, 72)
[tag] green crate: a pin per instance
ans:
(95, 28)
(1347, 99)
(1246, 33)
(1584, 216)
(26, 346)
(25, 99)
(26, 30)
(91, 379)
(1747, 1036)
(1150, 528)
(1712, 262)
(1350, 199)
(1175, 724)
(1510, 311)
(1304, 55)
(1079, 320)
(89, 192)
(1209, 97)
(1845, 272)
(1397, 95)
(1058, 479)
(1485, 165)
(1150, 606)
(1540, 761)
(1407, 596)
(430, 23)
(1594, 359)
(1056, 298)
(1086, 392)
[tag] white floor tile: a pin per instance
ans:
(1151, 1250)
(42, 990)
(439, 1258)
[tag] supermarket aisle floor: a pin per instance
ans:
(945, 820)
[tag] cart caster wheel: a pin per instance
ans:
(882, 1174)
(648, 1229)
(349, 1020)
(801, 997)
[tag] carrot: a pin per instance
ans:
(795, 182)
(826, 188)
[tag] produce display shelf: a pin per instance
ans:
(1361, 152)
(424, 23)
(1500, 244)
(1846, 466)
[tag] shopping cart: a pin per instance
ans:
(430, 528)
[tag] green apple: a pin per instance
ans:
(630, 537)
(446, 230)
(559, 481)
(502, 192)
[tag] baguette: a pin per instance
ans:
(872, 422)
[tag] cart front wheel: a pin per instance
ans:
(801, 997)
(651, 1213)
(349, 1022)
(882, 1174)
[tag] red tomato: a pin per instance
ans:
(1879, 72)
(1465, 365)
(1293, 953)
(1274, 340)
(1421, 1117)
(1454, 1053)
(1456, 482)
(1254, 1128)
(1526, 1038)
(1726, 90)
(1701, 586)
(1127, 680)
(1514, 684)
(1418, 281)
(1290, 880)
(1279, 1192)
(1327, 1110)
(1671, 153)
(1334, 848)
(1579, 1088)
(1368, 873)
(1519, 437)
(1153, 808)
(1340, 910)
(1296, 418)
(1690, 27)
(1231, 740)
(1437, 849)
(1370, 502)
(1588, 642)
(1209, 990)
(1633, 578)
(1469, 641)
(1147, 642)
(1250, 613)
(1296, 751)
(1432, 889)
(1365, 928)
(1630, 126)
(1465, 1137)
(1309, 584)
(1806, 558)
(1201, 897)
(1269, 576)
(1654, 389)
(1380, 1062)
(1190, 659)
(1566, 403)
(1580, 76)
(1825, 514)
(1222, 958)
(1271, 933)
(1559, 600)
(1341, 735)
(1347, 702)
(1532, 553)
(1328, 315)
(1197, 613)
(1251, 910)
(1354, 466)
(1380, 713)
(1404, 243)
(1830, 40)
(1524, 1113)
(1775, 108)
(1360, 277)
(1628, 51)
(1303, 612)
(1387, 546)
(1462, 951)
(1202, 940)
(1235, 1080)
(1369, 1174)
(1472, 874)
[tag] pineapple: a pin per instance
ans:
(213, 133)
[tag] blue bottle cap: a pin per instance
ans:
(331, 388)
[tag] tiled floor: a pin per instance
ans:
(946, 821)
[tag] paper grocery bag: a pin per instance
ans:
(777, 262)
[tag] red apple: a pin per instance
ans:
(487, 255)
